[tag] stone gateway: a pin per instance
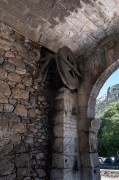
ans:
(55, 57)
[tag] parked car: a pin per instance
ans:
(108, 161)
(116, 161)
(100, 160)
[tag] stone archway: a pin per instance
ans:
(96, 67)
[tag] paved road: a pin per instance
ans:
(110, 174)
(103, 178)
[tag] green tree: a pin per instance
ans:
(108, 135)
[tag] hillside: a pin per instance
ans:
(111, 96)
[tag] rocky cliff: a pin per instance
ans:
(112, 95)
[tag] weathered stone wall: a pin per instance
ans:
(65, 153)
(25, 131)
(24, 134)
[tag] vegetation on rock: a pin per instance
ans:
(108, 135)
(103, 102)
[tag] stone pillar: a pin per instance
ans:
(88, 150)
(65, 153)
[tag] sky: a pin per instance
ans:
(112, 80)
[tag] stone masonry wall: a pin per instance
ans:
(65, 153)
(23, 112)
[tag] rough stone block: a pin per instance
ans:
(59, 104)
(21, 172)
(3, 74)
(11, 176)
(13, 76)
(70, 133)
(18, 93)
(10, 117)
(5, 42)
(66, 145)
(20, 86)
(27, 81)
(20, 70)
(90, 173)
(85, 124)
(90, 113)
(41, 98)
(4, 124)
(40, 156)
(16, 62)
(19, 47)
(20, 148)
(22, 160)
(58, 130)
(20, 110)
(83, 100)
(82, 110)
(94, 160)
(90, 160)
(56, 174)
(6, 149)
(84, 142)
(8, 66)
(4, 142)
(19, 127)
(41, 173)
(58, 145)
(59, 117)
(3, 99)
(65, 161)
(28, 140)
(9, 54)
(1, 60)
(32, 112)
(16, 138)
(71, 174)
(2, 52)
(65, 131)
(6, 169)
(4, 88)
(8, 108)
(92, 103)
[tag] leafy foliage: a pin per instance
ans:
(108, 135)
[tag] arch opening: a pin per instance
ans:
(97, 87)
(109, 128)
